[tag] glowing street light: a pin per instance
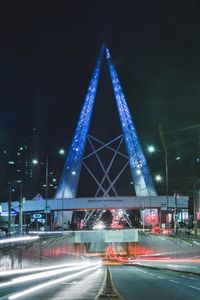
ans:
(35, 161)
(138, 171)
(151, 149)
(61, 151)
(158, 178)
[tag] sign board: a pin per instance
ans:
(6, 213)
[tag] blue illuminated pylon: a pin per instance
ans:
(140, 172)
(70, 177)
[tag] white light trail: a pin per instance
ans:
(45, 274)
(39, 269)
(18, 239)
(52, 282)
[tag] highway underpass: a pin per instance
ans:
(162, 263)
(85, 280)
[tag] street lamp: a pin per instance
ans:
(35, 161)
(158, 178)
(20, 208)
(61, 152)
(151, 149)
(9, 207)
(46, 191)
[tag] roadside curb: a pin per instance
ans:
(187, 243)
(163, 268)
(196, 243)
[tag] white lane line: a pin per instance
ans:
(160, 277)
(68, 283)
(151, 274)
(194, 287)
(183, 276)
(141, 271)
(192, 278)
(174, 281)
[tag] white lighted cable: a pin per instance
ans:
(50, 283)
(18, 239)
(45, 274)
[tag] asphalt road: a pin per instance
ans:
(80, 281)
(141, 283)
(84, 280)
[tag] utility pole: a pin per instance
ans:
(175, 213)
(46, 194)
(20, 210)
(166, 166)
(9, 207)
(166, 161)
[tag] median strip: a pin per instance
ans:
(108, 290)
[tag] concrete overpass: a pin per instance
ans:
(95, 203)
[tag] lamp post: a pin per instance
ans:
(166, 162)
(35, 162)
(9, 207)
(158, 178)
(167, 178)
(141, 206)
(20, 208)
(46, 190)
(61, 152)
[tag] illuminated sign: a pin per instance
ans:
(198, 215)
(150, 216)
(37, 216)
(6, 213)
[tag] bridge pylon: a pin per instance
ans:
(141, 176)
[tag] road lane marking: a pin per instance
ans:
(192, 278)
(68, 283)
(160, 277)
(181, 266)
(194, 287)
(174, 281)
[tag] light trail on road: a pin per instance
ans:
(46, 274)
(51, 283)
(18, 239)
(36, 269)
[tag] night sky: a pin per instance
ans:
(47, 54)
